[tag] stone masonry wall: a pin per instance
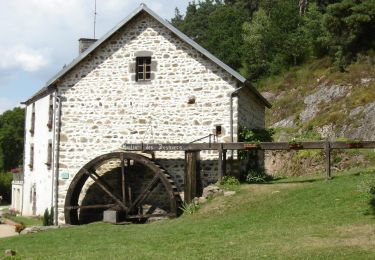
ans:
(251, 111)
(104, 107)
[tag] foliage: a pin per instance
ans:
(258, 175)
(19, 227)
(262, 37)
(48, 217)
(255, 135)
(6, 186)
(11, 138)
(350, 25)
(189, 208)
(229, 181)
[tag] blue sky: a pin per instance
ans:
(40, 36)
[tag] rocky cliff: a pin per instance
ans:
(316, 102)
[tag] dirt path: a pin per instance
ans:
(6, 230)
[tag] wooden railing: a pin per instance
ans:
(192, 150)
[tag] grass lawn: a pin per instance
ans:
(304, 218)
(28, 221)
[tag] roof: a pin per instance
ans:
(50, 85)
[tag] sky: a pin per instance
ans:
(39, 37)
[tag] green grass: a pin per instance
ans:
(26, 220)
(294, 218)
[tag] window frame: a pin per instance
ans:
(31, 160)
(143, 68)
(49, 155)
(50, 113)
(32, 127)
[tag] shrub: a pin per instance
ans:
(230, 180)
(19, 227)
(6, 186)
(189, 208)
(257, 176)
(48, 217)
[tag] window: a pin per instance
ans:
(32, 128)
(50, 113)
(31, 163)
(143, 68)
(49, 155)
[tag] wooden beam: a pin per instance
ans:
(191, 175)
(224, 162)
(92, 206)
(104, 187)
(220, 164)
(153, 183)
(327, 150)
(240, 146)
(123, 183)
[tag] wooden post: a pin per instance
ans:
(123, 183)
(224, 162)
(327, 150)
(220, 163)
(191, 175)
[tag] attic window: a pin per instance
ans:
(143, 68)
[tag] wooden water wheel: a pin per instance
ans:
(129, 183)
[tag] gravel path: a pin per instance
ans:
(6, 230)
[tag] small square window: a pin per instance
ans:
(143, 68)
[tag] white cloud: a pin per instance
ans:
(20, 57)
(6, 104)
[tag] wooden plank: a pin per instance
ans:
(140, 216)
(191, 173)
(104, 187)
(145, 192)
(220, 164)
(224, 162)
(240, 146)
(123, 183)
(327, 150)
(104, 206)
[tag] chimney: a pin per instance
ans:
(85, 43)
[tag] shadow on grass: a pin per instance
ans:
(372, 204)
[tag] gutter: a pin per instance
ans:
(233, 94)
(56, 144)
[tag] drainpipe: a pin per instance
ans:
(233, 94)
(56, 135)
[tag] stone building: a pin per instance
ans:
(143, 82)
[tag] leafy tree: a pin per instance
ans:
(257, 44)
(224, 37)
(351, 26)
(315, 32)
(11, 138)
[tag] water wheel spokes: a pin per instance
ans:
(137, 176)
(104, 186)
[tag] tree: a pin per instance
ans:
(224, 34)
(257, 44)
(350, 25)
(315, 31)
(11, 138)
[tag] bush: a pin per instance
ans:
(48, 217)
(257, 176)
(19, 227)
(230, 181)
(189, 208)
(6, 186)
